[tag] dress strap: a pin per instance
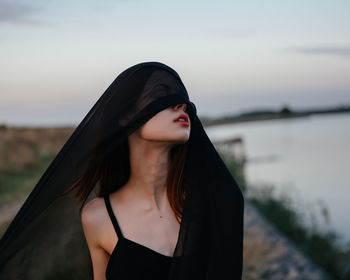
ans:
(112, 216)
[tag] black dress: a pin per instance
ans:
(131, 260)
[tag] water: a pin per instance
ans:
(307, 157)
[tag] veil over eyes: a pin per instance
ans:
(45, 240)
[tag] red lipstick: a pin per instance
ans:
(182, 119)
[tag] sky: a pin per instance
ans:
(57, 57)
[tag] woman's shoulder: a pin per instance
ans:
(93, 212)
(97, 226)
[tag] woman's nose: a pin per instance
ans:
(181, 106)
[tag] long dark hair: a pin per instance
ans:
(114, 171)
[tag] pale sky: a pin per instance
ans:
(57, 57)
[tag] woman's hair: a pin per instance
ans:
(114, 171)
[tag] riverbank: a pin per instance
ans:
(268, 254)
(277, 244)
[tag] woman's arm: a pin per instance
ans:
(91, 223)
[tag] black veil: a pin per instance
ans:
(45, 240)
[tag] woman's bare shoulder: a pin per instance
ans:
(94, 212)
(94, 216)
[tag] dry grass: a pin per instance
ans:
(22, 147)
(25, 153)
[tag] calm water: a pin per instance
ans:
(307, 157)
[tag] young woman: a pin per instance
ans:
(155, 200)
(139, 216)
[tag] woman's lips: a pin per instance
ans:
(184, 123)
(182, 119)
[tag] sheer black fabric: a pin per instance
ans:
(45, 240)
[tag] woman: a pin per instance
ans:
(154, 197)
(145, 214)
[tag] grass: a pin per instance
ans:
(322, 247)
(25, 153)
(16, 184)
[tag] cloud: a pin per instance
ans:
(17, 13)
(322, 50)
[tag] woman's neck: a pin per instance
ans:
(149, 168)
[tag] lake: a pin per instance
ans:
(308, 157)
